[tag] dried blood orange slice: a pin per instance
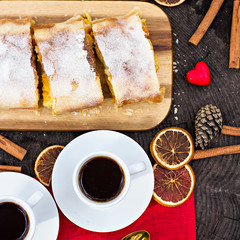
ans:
(170, 3)
(172, 148)
(44, 164)
(172, 187)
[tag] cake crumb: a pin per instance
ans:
(74, 113)
(90, 112)
(139, 110)
(129, 112)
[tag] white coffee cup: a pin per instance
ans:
(128, 171)
(27, 206)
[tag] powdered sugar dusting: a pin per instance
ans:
(73, 80)
(129, 57)
(17, 79)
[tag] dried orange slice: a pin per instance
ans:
(44, 164)
(172, 148)
(172, 187)
(170, 3)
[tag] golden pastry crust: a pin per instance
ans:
(70, 80)
(127, 54)
(18, 79)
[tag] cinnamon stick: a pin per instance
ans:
(206, 22)
(12, 148)
(212, 152)
(6, 168)
(234, 55)
(228, 130)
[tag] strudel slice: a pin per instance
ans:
(18, 77)
(70, 80)
(127, 54)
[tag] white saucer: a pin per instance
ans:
(45, 211)
(112, 218)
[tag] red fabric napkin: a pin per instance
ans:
(176, 223)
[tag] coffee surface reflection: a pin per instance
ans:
(101, 179)
(14, 221)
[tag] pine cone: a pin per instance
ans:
(208, 124)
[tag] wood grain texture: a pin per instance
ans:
(140, 116)
(217, 192)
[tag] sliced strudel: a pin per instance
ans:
(18, 77)
(70, 80)
(123, 46)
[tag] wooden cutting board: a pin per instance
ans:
(140, 116)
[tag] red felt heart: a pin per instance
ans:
(200, 75)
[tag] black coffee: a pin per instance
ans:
(101, 179)
(14, 221)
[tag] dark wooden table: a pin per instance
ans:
(217, 190)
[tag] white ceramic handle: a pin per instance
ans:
(136, 168)
(35, 198)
